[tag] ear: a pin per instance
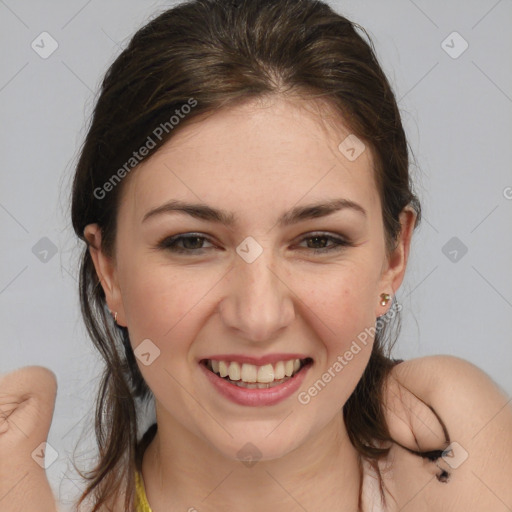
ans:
(394, 267)
(106, 271)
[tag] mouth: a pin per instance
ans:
(250, 376)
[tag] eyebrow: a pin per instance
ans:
(293, 216)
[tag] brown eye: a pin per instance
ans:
(320, 243)
(191, 243)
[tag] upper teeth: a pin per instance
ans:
(251, 373)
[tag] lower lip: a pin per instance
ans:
(256, 397)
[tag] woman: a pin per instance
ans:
(244, 195)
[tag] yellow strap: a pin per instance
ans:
(141, 504)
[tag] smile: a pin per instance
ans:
(249, 384)
(251, 376)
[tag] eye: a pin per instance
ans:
(193, 243)
(319, 238)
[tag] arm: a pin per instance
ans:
(27, 400)
(478, 417)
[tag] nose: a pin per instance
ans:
(258, 303)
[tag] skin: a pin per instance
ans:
(27, 401)
(288, 300)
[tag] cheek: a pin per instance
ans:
(142, 298)
(155, 298)
(340, 310)
(169, 306)
(162, 305)
(343, 297)
(341, 316)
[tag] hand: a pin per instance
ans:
(27, 401)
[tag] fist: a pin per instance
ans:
(27, 401)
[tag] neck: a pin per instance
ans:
(182, 471)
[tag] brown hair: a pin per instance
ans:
(219, 53)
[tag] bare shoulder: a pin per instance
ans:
(453, 413)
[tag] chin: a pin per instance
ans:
(257, 447)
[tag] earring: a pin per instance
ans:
(384, 298)
(114, 315)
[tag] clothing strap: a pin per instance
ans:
(141, 501)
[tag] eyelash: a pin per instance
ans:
(169, 243)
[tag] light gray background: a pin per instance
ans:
(457, 114)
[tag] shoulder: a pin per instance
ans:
(447, 404)
(457, 390)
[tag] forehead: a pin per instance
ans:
(266, 154)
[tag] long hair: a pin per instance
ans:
(210, 54)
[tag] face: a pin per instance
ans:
(268, 286)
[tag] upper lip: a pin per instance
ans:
(257, 361)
